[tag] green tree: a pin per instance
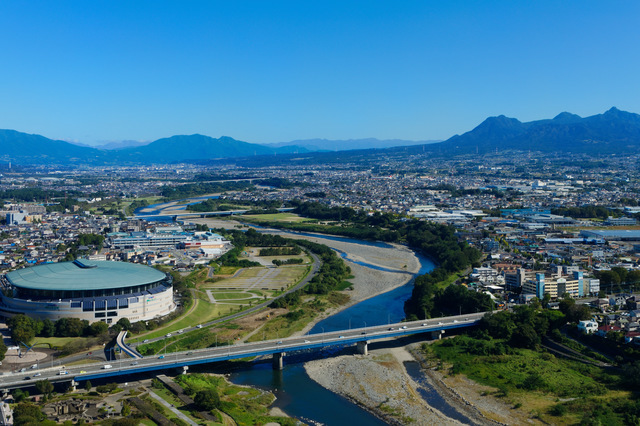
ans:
(97, 328)
(23, 328)
(20, 395)
(48, 328)
(3, 349)
(525, 337)
(500, 325)
(27, 414)
(87, 385)
(126, 409)
(138, 327)
(45, 387)
(124, 323)
(207, 399)
(126, 422)
(70, 327)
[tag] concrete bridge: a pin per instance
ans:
(277, 348)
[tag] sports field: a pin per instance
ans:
(260, 278)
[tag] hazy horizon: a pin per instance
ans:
(269, 72)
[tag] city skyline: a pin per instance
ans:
(263, 73)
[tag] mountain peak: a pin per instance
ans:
(566, 117)
(614, 131)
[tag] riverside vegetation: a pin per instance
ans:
(434, 240)
(509, 351)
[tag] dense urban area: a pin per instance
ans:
(549, 242)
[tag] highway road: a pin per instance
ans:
(235, 351)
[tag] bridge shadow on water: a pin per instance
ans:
(307, 355)
(300, 396)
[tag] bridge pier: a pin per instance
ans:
(363, 348)
(185, 368)
(437, 335)
(277, 362)
(73, 385)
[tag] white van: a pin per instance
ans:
(107, 366)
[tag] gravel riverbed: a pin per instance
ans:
(379, 381)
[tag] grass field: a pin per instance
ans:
(278, 217)
(53, 341)
(220, 295)
(227, 270)
(547, 386)
(261, 278)
(299, 318)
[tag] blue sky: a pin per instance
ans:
(271, 71)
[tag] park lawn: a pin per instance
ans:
(227, 270)
(281, 326)
(246, 273)
(291, 274)
(237, 295)
(283, 277)
(53, 342)
(278, 217)
(205, 312)
(159, 407)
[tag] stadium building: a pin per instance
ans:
(89, 290)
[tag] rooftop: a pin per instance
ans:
(84, 275)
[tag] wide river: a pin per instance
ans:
(296, 393)
(301, 397)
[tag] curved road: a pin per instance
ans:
(315, 267)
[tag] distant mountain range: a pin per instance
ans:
(614, 131)
(349, 144)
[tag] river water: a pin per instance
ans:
(301, 397)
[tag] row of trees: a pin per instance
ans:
(525, 326)
(436, 240)
(275, 244)
(586, 212)
(280, 251)
(195, 189)
(331, 275)
(294, 261)
(135, 205)
(35, 194)
(24, 328)
(213, 205)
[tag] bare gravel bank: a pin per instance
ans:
(367, 282)
(379, 382)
